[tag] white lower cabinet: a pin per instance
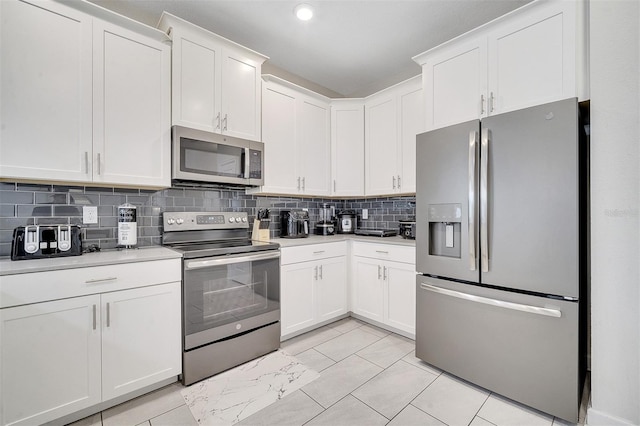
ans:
(313, 285)
(383, 285)
(58, 357)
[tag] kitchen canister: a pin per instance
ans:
(127, 225)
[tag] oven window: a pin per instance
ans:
(225, 294)
(211, 158)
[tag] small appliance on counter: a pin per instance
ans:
(347, 221)
(407, 229)
(294, 224)
(377, 232)
(327, 224)
(41, 242)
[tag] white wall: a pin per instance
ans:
(615, 222)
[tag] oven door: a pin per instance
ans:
(229, 295)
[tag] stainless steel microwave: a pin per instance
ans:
(199, 156)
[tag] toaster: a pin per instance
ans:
(40, 242)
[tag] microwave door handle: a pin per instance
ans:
(247, 163)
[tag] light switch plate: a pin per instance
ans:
(89, 214)
(365, 214)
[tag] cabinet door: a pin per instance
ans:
(400, 303)
(411, 118)
(45, 92)
(455, 83)
(381, 145)
(314, 146)
(241, 96)
(297, 296)
(50, 359)
(532, 58)
(368, 294)
(279, 137)
(195, 83)
(331, 288)
(347, 149)
(131, 132)
(141, 338)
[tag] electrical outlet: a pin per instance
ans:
(365, 214)
(89, 214)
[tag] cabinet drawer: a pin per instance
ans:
(392, 252)
(22, 289)
(312, 252)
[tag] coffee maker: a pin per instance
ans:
(326, 225)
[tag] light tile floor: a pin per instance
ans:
(369, 376)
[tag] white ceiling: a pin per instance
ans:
(351, 47)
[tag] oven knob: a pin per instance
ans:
(179, 221)
(244, 219)
(171, 221)
(231, 220)
(238, 219)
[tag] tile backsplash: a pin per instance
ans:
(40, 204)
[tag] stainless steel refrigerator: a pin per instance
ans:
(501, 254)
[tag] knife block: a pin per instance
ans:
(260, 230)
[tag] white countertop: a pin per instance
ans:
(318, 239)
(107, 257)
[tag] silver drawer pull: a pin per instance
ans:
(318, 252)
(228, 260)
(382, 251)
(100, 280)
(493, 302)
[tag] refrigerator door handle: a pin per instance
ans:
(473, 138)
(484, 164)
(493, 302)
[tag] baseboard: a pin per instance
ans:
(600, 418)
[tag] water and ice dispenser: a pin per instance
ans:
(445, 223)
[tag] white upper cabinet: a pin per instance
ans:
(88, 105)
(215, 83)
(534, 55)
(296, 126)
(45, 92)
(347, 147)
(393, 118)
(131, 112)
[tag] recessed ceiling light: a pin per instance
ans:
(304, 12)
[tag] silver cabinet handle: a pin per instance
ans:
(473, 138)
(86, 161)
(94, 317)
(228, 260)
(218, 120)
(315, 273)
(303, 183)
(493, 302)
(225, 123)
(384, 273)
(379, 272)
(481, 104)
(394, 182)
(318, 252)
(382, 252)
(100, 280)
(298, 183)
(108, 315)
(484, 164)
(99, 166)
(320, 271)
(334, 185)
(491, 102)
(398, 181)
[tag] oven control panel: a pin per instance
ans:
(189, 221)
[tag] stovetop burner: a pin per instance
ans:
(205, 234)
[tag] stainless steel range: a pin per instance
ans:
(230, 291)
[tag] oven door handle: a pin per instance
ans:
(228, 260)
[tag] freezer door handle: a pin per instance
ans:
(473, 137)
(484, 164)
(493, 302)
